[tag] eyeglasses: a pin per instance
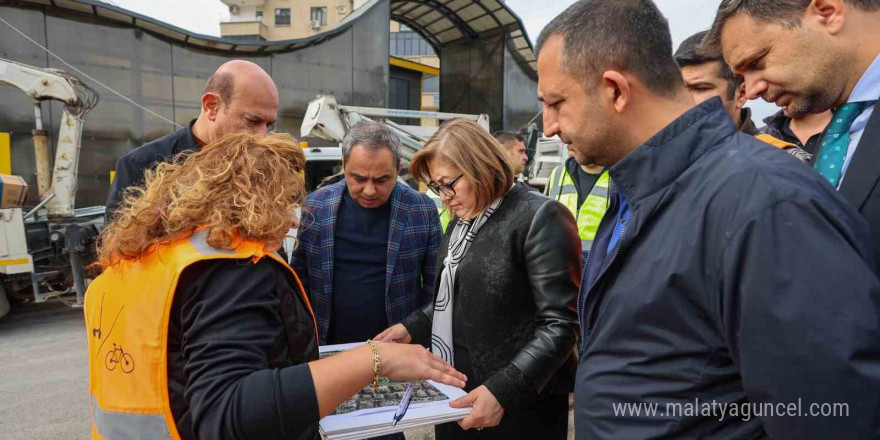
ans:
(448, 189)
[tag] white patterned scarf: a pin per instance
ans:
(459, 243)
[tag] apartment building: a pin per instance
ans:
(269, 20)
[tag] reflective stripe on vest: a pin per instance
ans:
(554, 186)
(126, 426)
(590, 213)
(127, 309)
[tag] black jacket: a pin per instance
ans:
(741, 277)
(861, 184)
(130, 168)
(239, 341)
(514, 300)
(778, 126)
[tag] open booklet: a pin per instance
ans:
(370, 412)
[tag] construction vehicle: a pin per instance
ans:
(42, 251)
(549, 153)
(328, 120)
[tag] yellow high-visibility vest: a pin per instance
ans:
(442, 210)
(561, 187)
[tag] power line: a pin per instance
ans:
(88, 76)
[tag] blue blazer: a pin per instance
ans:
(414, 236)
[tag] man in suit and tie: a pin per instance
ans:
(367, 246)
(809, 56)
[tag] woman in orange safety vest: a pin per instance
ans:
(197, 329)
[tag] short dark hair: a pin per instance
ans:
(223, 84)
(691, 53)
(373, 136)
(630, 35)
(505, 137)
(788, 13)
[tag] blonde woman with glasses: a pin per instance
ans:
(504, 313)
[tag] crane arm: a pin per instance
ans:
(53, 84)
(326, 119)
(39, 84)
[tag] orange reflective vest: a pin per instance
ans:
(778, 143)
(127, 310)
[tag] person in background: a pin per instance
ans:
(368, 244)
(504, 312)
(706, 76)
(239, 97)
(803, 131)
(709, 278)
(197, 329)
(515, 145)
(810, 57)
(583, 189)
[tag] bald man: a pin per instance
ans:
(240, 96)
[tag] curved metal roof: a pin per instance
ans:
(439, 21)
(446, 21)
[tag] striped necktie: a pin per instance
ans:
(835, 143)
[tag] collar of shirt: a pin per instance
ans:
(866, 90)
(868, 87)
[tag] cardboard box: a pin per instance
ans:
(13, 191)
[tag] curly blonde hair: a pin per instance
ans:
(244, 186)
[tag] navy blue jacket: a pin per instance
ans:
(130, 168)
(702, 301)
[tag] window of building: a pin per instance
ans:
(409, 44)
(431, 85)
(319, 15)
(259, 16)
(282, 16)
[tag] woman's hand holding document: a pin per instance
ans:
(382, 410)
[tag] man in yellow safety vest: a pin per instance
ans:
(584, 190)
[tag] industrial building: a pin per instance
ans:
(487, 61)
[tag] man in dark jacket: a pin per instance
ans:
(812, 57)
(240, 96)
(368, 244)
(694, 316)
(803, 131)
(707, 75)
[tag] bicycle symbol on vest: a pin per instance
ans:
(119, 357)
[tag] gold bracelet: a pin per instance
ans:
(377, 362)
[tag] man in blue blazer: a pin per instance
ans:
(367, 245)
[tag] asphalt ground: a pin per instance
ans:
(44, 375)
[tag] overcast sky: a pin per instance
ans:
(686, 17)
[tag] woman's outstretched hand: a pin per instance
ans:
(404, 362)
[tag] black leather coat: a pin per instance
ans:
(514, 303)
